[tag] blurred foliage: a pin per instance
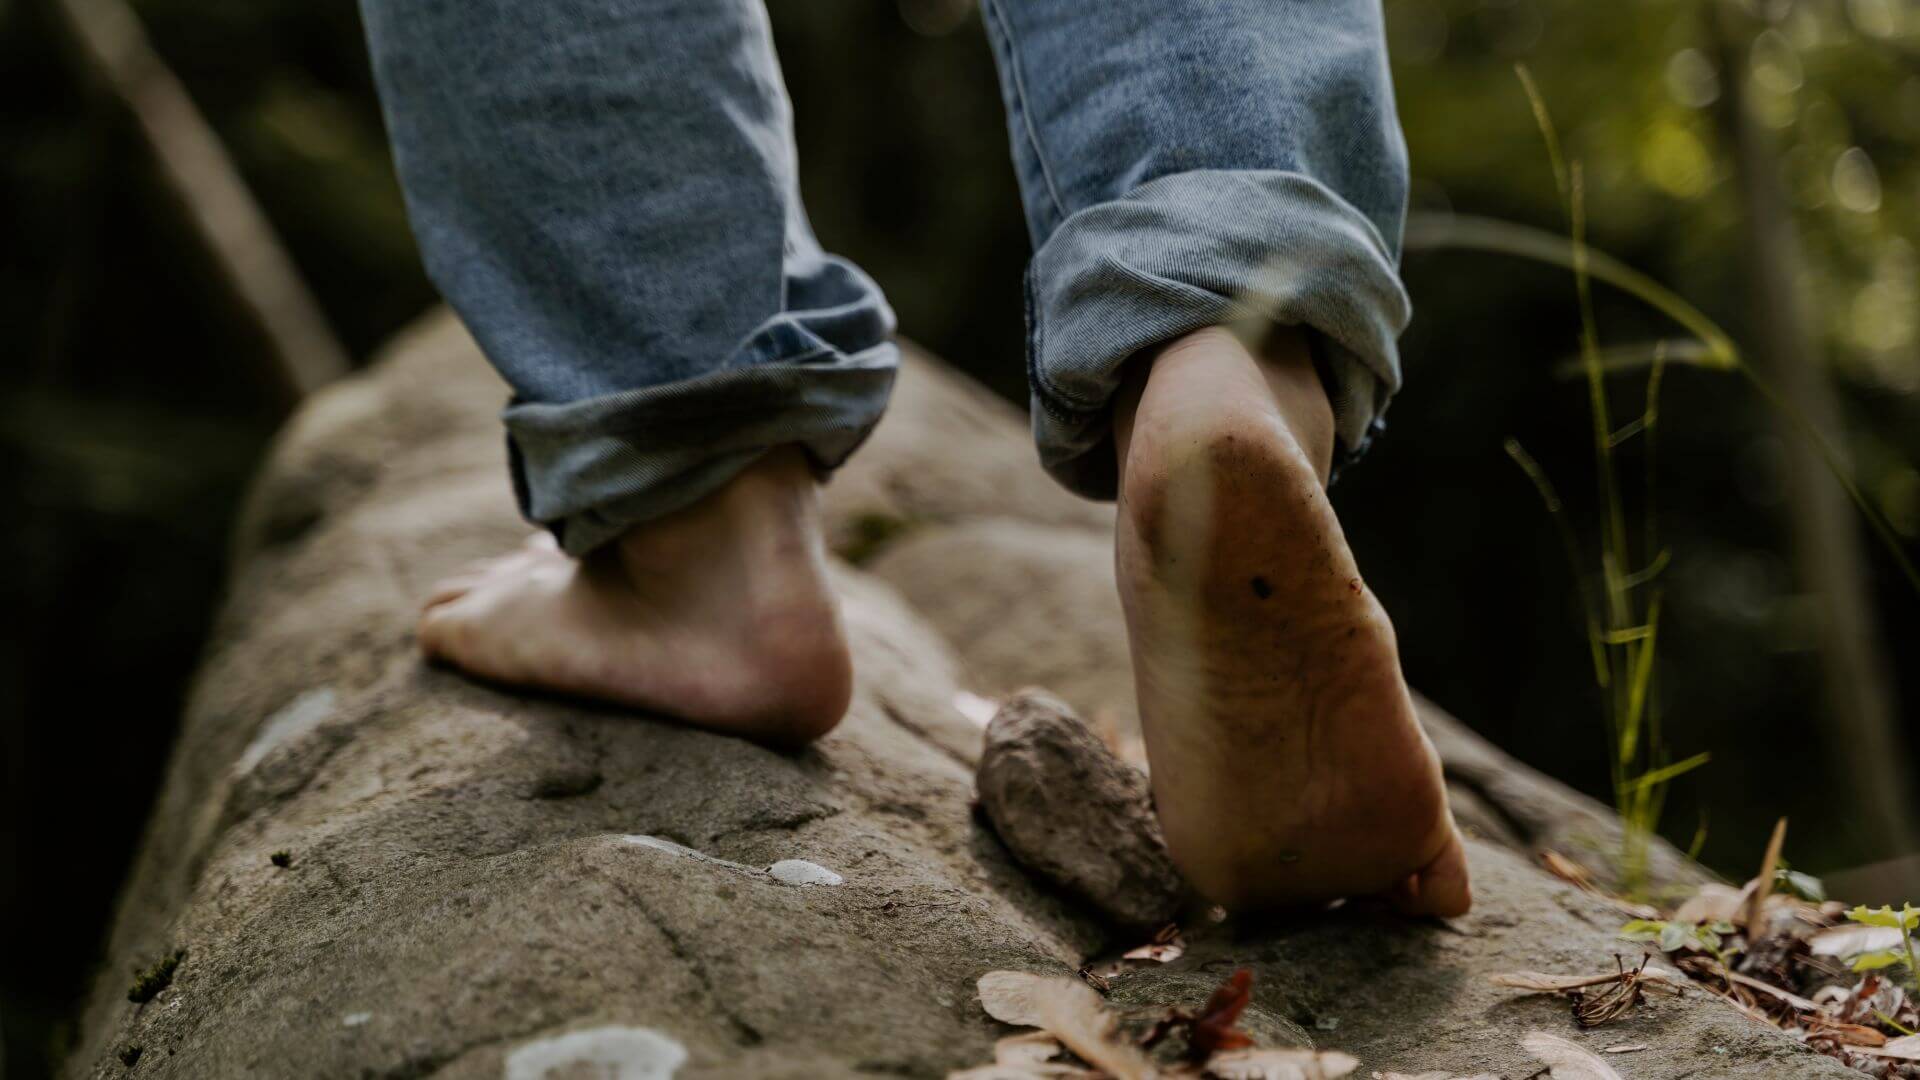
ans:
(133, 408)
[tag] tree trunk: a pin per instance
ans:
(1829, 562)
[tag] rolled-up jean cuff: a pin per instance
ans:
(1199, 249)
(589, 470)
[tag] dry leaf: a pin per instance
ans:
(1567, 1060)
(1853, 1035)
(1787, 996)
(1763, 885)
(1024, 1072)
(1213, 1030)
(1011, 997)
(1067, 1009)
(1629, 1048)
(1289, 1064)
(1714, 902)
(1027, 1048)
(1567, 870)
(1852, 939)
(1904, 1048)
(1159, 954)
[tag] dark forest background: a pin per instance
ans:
(135, 400)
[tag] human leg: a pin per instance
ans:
(605, 192)
(1190, 169)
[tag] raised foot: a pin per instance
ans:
(719, 615)
(1288, 766)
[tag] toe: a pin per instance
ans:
(450, 589)
(1439, 888)
(435, 630)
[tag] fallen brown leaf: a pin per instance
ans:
(1768, 988)
(1289, 1064)
(1566, 869)
(1067, 1009)
(1213, 1029)
(1904, 1048)
(1714, 902)
(1159, 954)
(1012, 997)
(1026, 1048)
(1852, 1035)
(1567, 1060)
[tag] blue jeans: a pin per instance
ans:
(605, 192)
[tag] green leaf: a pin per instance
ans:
(1642, 930)
(1707, 937)
(1805, 886)
(1907, 918)
(1874, 961)
(1673, 937)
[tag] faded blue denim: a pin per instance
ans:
(605, 191)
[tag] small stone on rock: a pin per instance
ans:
(1074, 814)
(802, 872)
(612, 1052)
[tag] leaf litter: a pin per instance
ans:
(1079, 1035)
(1838, 980)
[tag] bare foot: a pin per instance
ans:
(719, 614)
(1288, 767)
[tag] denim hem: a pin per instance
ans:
(1197, 249)
(589, 470)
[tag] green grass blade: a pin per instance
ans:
(1654, 778)
(1464, 232)
(1570, 546)
(1642, 679)
(1544, 121)
(1875, 520)
(1433, 232)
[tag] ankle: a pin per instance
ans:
(771, 507)
(1282, 367)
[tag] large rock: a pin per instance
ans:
(483, 884)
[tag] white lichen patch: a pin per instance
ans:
(355, 1019)
(802, 872)
(786, 871)
(604, 1053)
(289, 722)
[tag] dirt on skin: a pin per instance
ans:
(493, 885)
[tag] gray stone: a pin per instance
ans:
(1076, 815)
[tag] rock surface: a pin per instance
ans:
(465, 896)
(1074, 814)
